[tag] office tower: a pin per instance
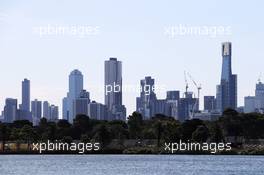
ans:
(65, 112)
(75, 88)
(187, 107)
(147, 100)
(113, 88)
(46, 112)
(80, 104)
(249, 104)
(259, 96)
(36, 110)
(53, 113)
(227, 90)
(10, 110)
(172, 104)
(23, 113)
(209, 103)
(25, 95)
(98, 111)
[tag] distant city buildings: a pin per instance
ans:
(188, 105)
(147, 100)
(113, 89)
(80, 104)
(50, 112)
(75, 88)
(98, 111)
(78, 101)
(24, 112)
(255, 103)
(174, 106)
(36, 109)
(226, 95)
(10, 110)
(209, 103)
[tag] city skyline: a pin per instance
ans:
(77, 95)
(138, 39)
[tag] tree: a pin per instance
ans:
(102, 134)
(27, 134)
(135, 123)
(15, 135)
(80, 125)
(216, 134)
(188, 127)
(200, 134)
(230, 112)
(4, 130)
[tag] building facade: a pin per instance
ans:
(227, 90)
(113, 89)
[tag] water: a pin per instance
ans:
(131, 164)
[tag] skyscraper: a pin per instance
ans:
(46, 112)
(249, 104)
(10, 110)
(36, 109)
(209, 103)
(172, 104)
(227, 90)
(113, 88)
(53, 113)
(25, 95)
(80, 104)
(259, 95)
(98, 111)
(187, 107)
(146, 103)
(75, 88)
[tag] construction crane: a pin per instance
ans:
(196, 104)
(186, 84)
(199, 87)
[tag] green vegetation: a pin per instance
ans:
(244, 131)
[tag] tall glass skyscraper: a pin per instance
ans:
(113, 88)
(226, 95)
(75, 88)
(25, 106)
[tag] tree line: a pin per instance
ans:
(160, 128)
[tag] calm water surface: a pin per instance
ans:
(131, 164)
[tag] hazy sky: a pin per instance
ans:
(135, 33)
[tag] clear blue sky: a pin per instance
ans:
(134, 33)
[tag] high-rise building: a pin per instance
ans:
(146, 103)
(209, 103)
(23, 113)
(249, 104)
(65, 111)
(25, 95)
(259, 95)
(98, 111)
(46, 112)
(113, 88)
(172, 104)
(53, 113)
(10, 110)
(227, 90)
(80, 104)
(36, 109)
(187, 107)
(50, 112)
(75, 88)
